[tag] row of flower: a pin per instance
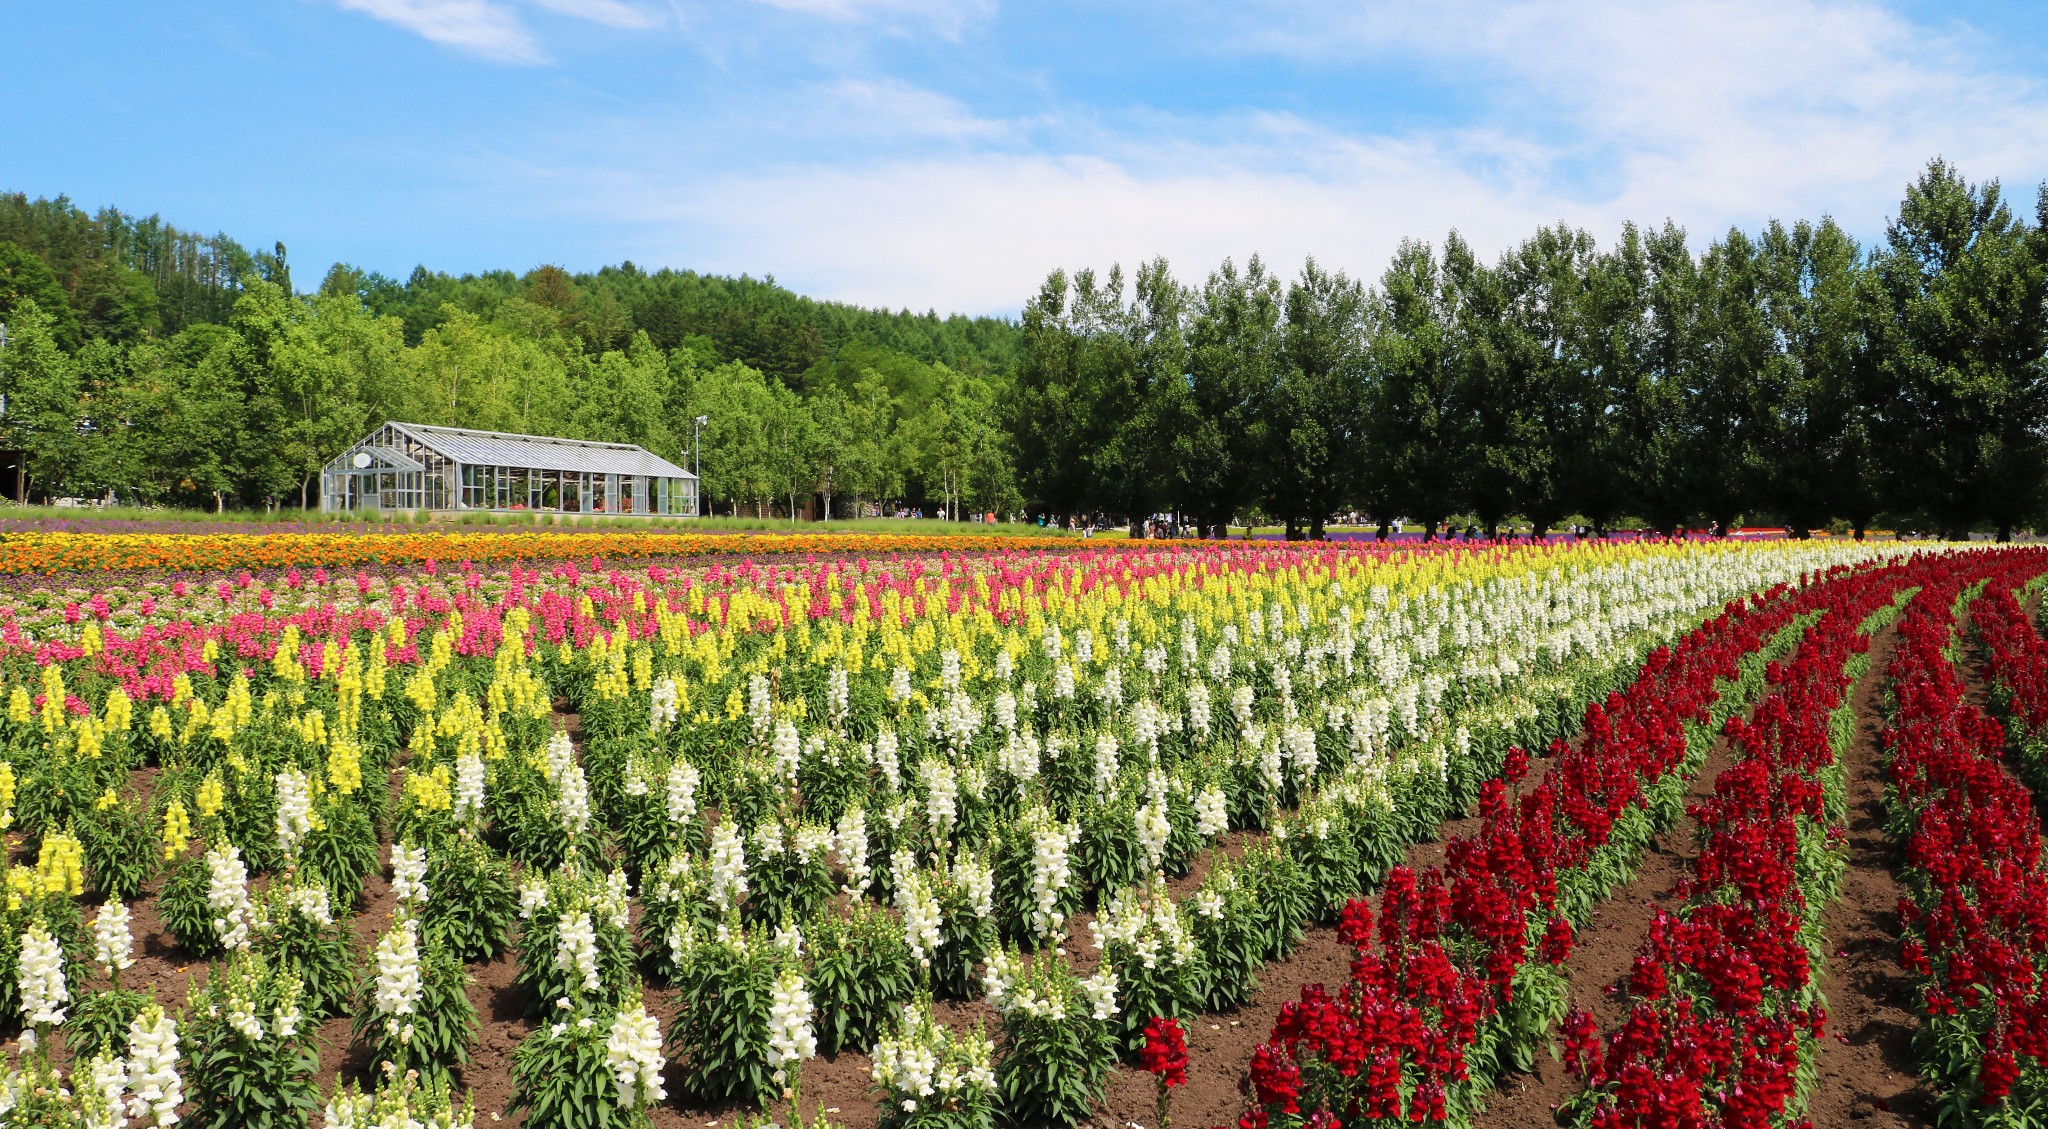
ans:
(1725, 1011)
(969, 754)
(54, 553)
(1460, 982)
(1977, 921)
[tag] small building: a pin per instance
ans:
(412, 466)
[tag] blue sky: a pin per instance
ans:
(948, 153)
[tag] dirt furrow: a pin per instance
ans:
(1867, 1069)
(1606, 949)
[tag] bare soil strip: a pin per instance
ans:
(1606, 949)
(1867, 1070)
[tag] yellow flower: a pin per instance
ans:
(209, 796)
(177, 830)
(120, 711)
(61, 864)
(345, 767)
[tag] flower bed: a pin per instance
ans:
(830, 791)
(1977, 925)
(55, 553)
(1462, 985)
(1727, 1008)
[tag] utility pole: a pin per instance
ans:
(697, 453)
(21, 466)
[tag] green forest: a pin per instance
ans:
(1786, 375)
(158, 366)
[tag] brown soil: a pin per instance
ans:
(1605, 950)
(1867, 1069)
(1219, 1046)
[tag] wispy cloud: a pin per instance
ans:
(1714, 109)
(476, 26)
(950, 17)
(1593, 111)
(954, 175)
(894, 110)
(611, 13)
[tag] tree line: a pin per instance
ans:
(1789, 375)
(152, 365)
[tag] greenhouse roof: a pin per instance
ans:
(540, 452)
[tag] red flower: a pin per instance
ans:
(1165, 1054)
(1557, 941)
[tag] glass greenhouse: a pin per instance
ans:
(412, 466)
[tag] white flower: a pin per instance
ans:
(922, 918)
(312, 901)
(533, 895)
(788, 750)
(409, 875)
(572, 800)
(1105, 763)
(760, 710)
(1101, 992)
(112, 944)
(576, 948)
(682, 791)
(728, 886)
(1241, 707)
(850, 840)
(352, 1111)
(41, 977)
(469, 786)
(242, 1017)
(885, 760)
(398, 973)
(978, 882)
(561, 753)
(103, 1104)
(227, 893)
(615, 901)
(838, 695)
(665, 706)
(899, 684)
(790, 939)
(1212, 812)
(1050, 874)
(941, 796)
(155, 1090)
(634, 1052)
(1153, 829)
(790, 1038)
(287, 1017)
(294, 809)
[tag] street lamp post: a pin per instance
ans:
(21, 467)
(697, 452)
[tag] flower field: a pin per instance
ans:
(51, 554)
(866, 834)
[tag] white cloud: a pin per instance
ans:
(895, 110)
(1718, 110)
(978, 231)
(1594, 111)
(476, 26)
(949, 17)
(611, 13)
(879, 191)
